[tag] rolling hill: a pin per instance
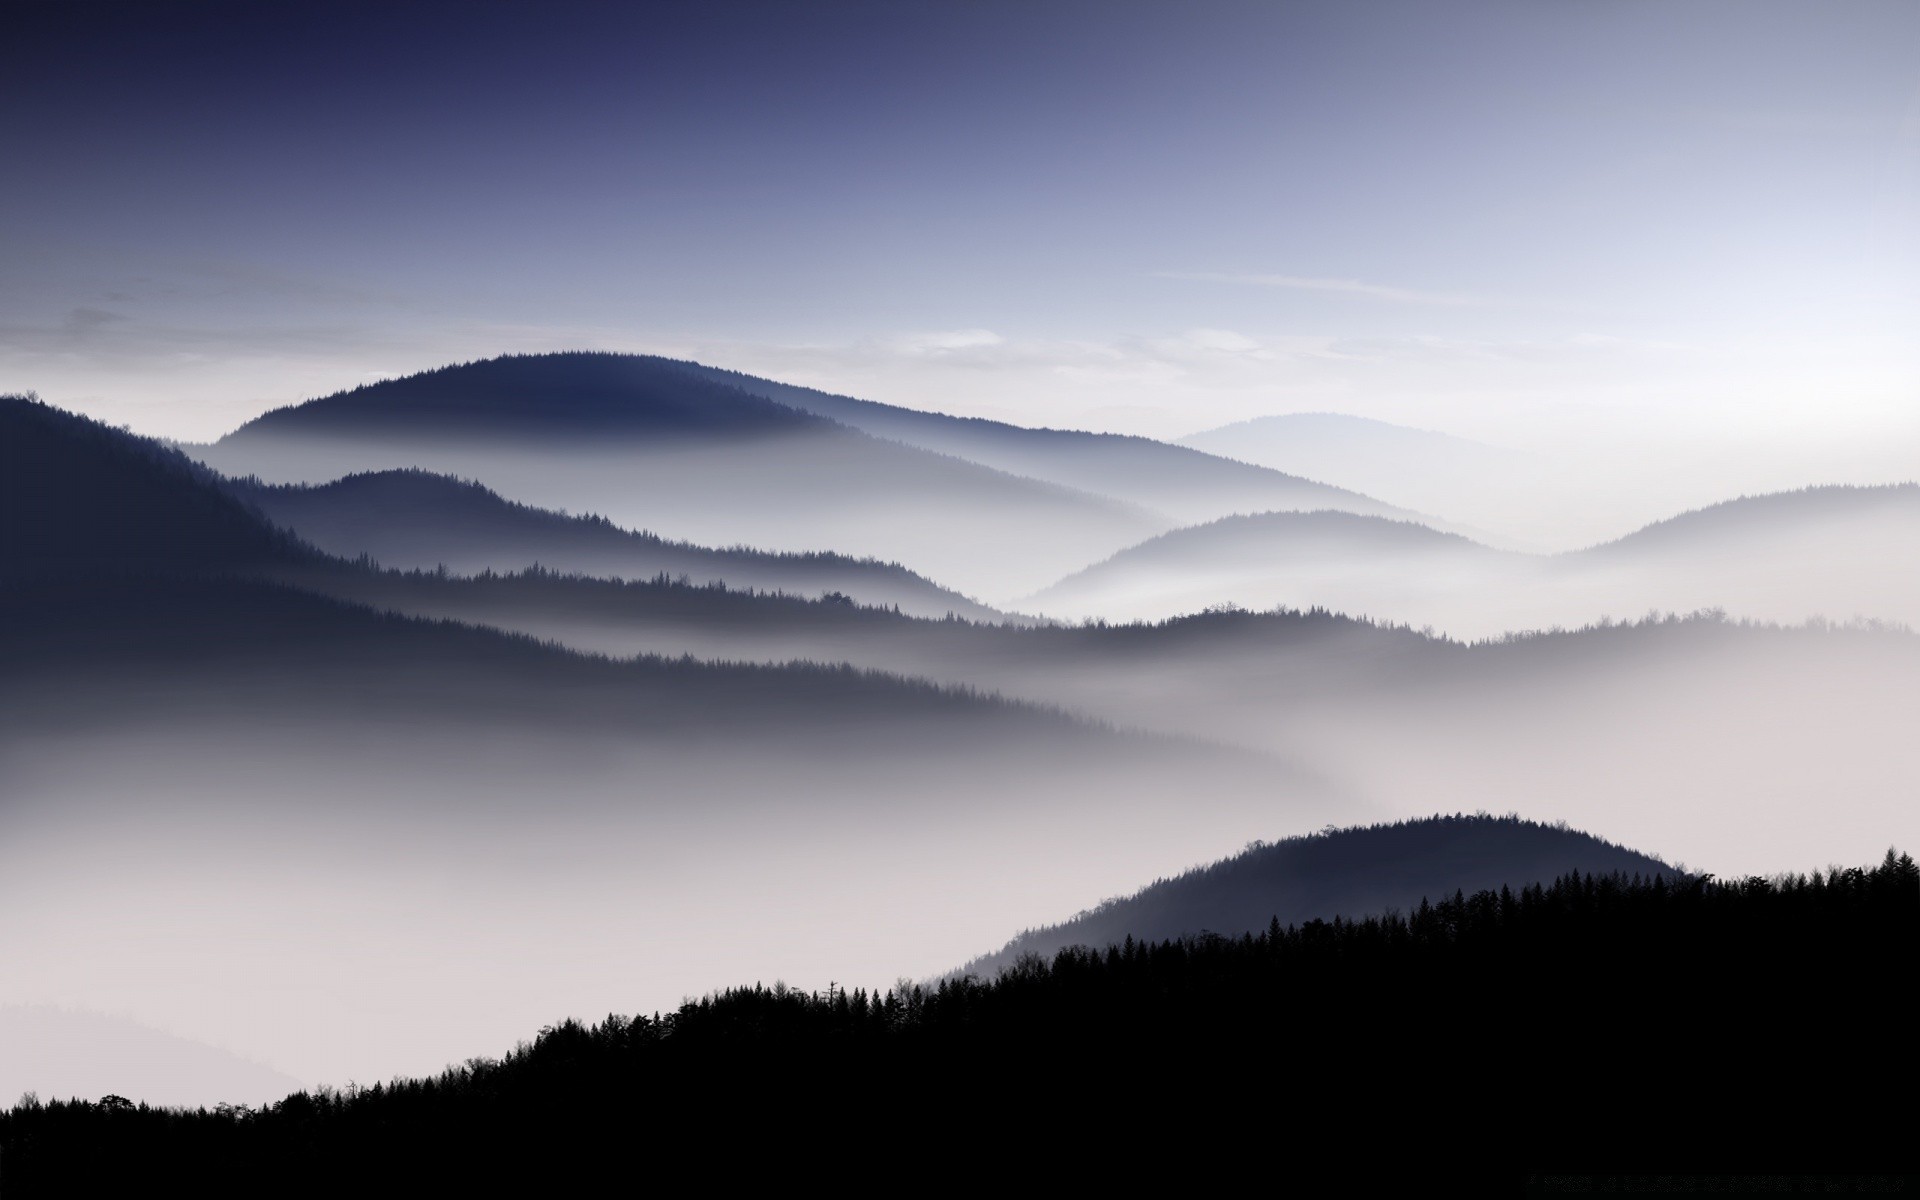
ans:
(651, 446)
(1836, 553)
(1391, 570)
(1184, 484)
(1350, 873)
(417, 520)
(262, 803)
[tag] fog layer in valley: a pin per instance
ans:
(348, 878)
(349, 821)
(1838, 553)
(1731, 747)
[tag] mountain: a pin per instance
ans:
(1832, 553)
(77, 497)
(1393, 570)
(414, 519)
(1190, 1043)
(1350, 873)
(267, 809)
(563, 398)
(1182, 483)
(1650, 731)
(652, 446)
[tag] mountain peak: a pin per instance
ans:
(564, 395)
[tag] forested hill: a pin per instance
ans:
(574, 395)
(1348, 872)
(413, 519)
(1582, 1026)
(81, 498)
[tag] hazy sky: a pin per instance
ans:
(1508, 219)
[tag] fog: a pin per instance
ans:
(349, 897)
(280, 807)
(1736, 748)
(1834, 553)
(987, 535)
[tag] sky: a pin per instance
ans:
(1607, 222)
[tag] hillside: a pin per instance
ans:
(417, 520)
(1388, 569)
(1183, 483)
(565, 397)
(1834, 553)
(1197, 1042)
(80, 498)
(649, 446)
(266, 807)
(1350, 873)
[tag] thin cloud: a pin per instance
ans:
(1306, 283)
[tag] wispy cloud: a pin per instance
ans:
(1307, 283)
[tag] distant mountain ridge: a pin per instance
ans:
(78, 497)
(1185, 483)
(572, 395)
(1351, 873)
(1834, 552)
(651, 445)
(413, 519)
(1768, 514)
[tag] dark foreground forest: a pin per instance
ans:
(1597, 1024)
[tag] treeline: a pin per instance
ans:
(1599, 1023)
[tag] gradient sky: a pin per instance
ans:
(1514, 220)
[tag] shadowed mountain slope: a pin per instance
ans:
(417, 520)
(353, 842)
(652, 446)
(77, 497)
(1348, 873)
(560, 396)
(1185, 484)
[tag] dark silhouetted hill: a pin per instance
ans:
(650, 445)
(561, 396)
(81, 498)
(1341, 873)
(1145, 1062)
(417, 520)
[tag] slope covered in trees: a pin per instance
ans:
(1338, 873)
(651, 446)
(1583, 1025)
(81, 498)
(1184, 484)
(418, 520)
(196, 751)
